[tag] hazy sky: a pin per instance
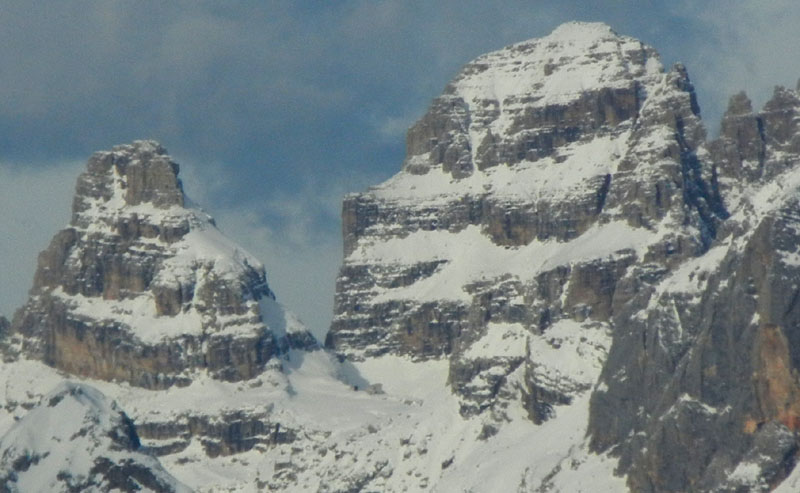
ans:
(276, 109)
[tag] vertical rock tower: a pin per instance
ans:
(142, 287)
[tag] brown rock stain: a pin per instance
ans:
(776, 382)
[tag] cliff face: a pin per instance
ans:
(562, 227)
(143, 288)
(547, 179)
(708, 355)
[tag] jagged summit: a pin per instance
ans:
(574, 59)
(143, 287)
(525, 101)
(581, 30)
(129, 175)
(504, 171)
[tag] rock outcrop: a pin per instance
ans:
(142, 287)
(708, 355)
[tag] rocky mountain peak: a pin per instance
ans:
(128, 175)
(547, 181)
(140, 277)
(739, 104)
(524, 101)
(574, 59)
(757, 146)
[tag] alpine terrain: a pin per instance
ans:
(568, 287)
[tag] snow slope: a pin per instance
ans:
(75, 439)
(408, 436)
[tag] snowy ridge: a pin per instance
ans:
(574, 59)
(75, 439)
(555, 177)
(469, 256)
(407, 436)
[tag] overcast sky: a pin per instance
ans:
(276, 109)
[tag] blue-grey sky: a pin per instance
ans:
(276, 109)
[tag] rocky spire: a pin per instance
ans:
(141, 172)
(141, 288)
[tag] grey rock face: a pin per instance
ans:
(490, 249)
(700, 384)
(226, 434)
(511, 161)
(141, 289)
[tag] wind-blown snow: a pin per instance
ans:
(574, 59)
(206, 245)
(472, 256)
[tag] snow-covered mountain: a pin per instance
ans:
(563, 235)
(547, 177)
(142, 287)
(76, 440)
(567, 287)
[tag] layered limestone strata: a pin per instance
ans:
(561, 215)
(565, 282)
(546, 177)
(141, 287)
